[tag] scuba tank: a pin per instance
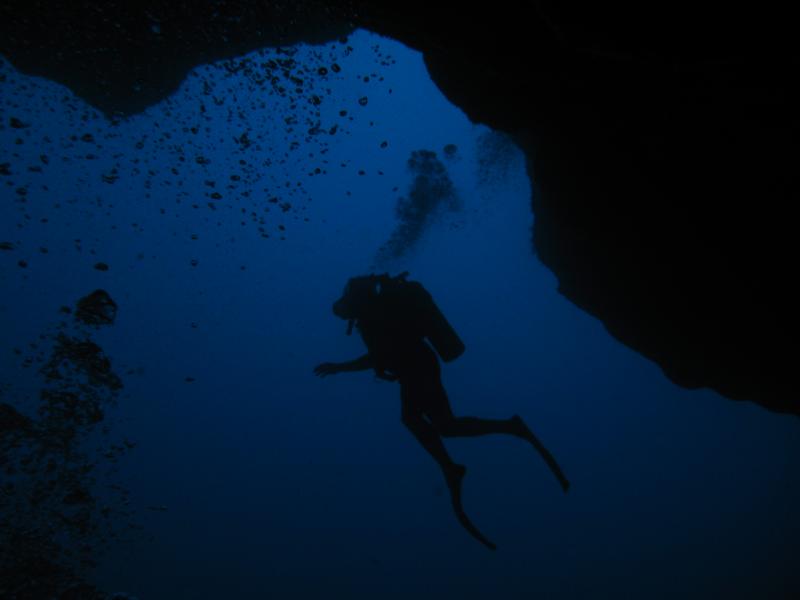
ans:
(435, 326)
(407, 301)
(438, 330)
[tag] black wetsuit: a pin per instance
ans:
(393, 331)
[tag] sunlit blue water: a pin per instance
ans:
(271, 483)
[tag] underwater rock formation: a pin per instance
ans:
(54, 519)
(661, 140)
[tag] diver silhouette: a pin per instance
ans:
(394, 316)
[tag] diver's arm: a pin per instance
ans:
(360, 364)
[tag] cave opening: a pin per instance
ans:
(224, 221)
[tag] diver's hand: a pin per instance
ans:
(327, 368)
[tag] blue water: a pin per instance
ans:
(251, 478)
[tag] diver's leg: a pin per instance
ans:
(437, 408)
(472, 426)
(453, 473)
(429, 438)
(449, 425)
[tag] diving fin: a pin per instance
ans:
(454, 483)
(525, 432)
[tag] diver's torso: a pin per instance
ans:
(397, 344)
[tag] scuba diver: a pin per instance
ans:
(394, 316)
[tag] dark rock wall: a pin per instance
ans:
(661, 140)
(123, 56)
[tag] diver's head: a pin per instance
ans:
(358, 293)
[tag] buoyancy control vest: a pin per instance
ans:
(398, 307)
